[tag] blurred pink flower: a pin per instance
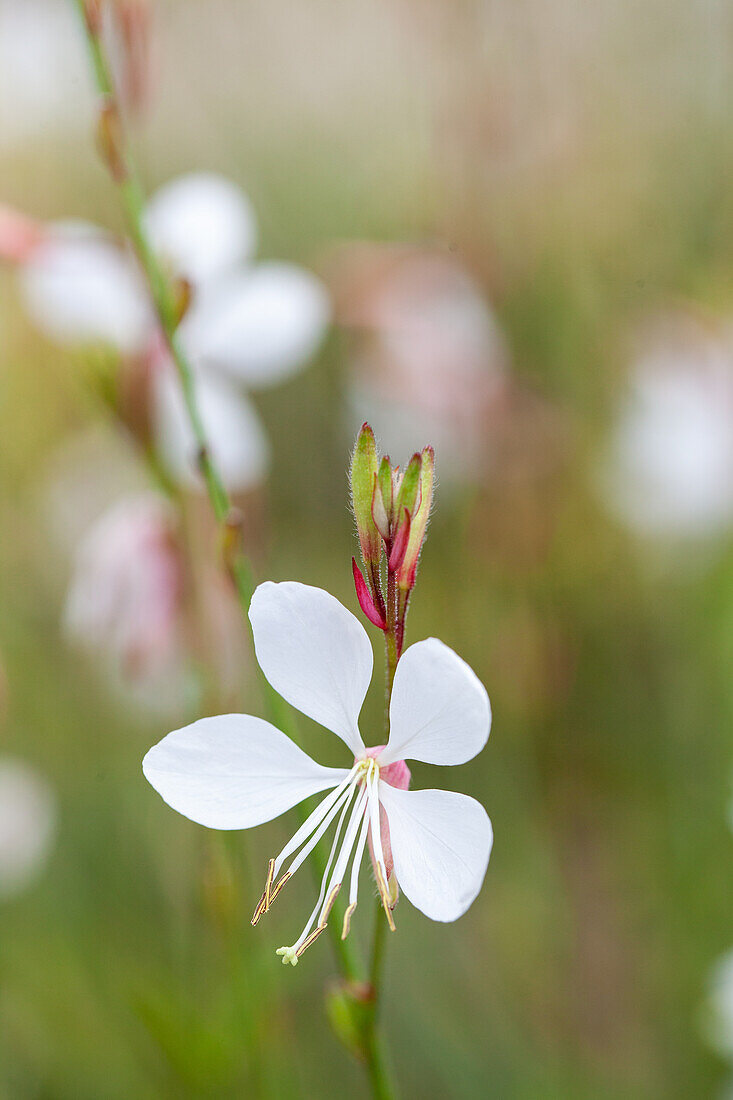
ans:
(248, 326)
(669, 471)
(430, 361)
(125, 597)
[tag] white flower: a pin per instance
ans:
(43, 74)
(236, 771)
(247, 325)
(27, 825)
(80, 287)
(670, 467)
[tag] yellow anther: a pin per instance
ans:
(347, 920)
(384, 894)
(310, 939)
(325, 912)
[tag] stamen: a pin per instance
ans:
(314, 819)
(344, 796)
(304, 936)
(379, 865)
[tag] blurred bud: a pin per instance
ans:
(110, 140)
(93, 15)
(418, 521)
(133, 21)
(349, 1007)
(182, 295)
(232, 538)
(363, 479)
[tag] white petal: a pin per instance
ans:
(202, 225)
(260, 325)
(441, 842)
(440, 711)
(239, 446)
(315, 653)
(234, 771)
(81, 288)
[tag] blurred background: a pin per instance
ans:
(508, 231)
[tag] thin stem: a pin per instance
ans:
(132, 199)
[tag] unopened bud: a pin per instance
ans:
(408, 497)
(363, 476)
(350, 1007)
(380, 515)
(110, 141)
(419, 520)
(182, 295)
(231, 537)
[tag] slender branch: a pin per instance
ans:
(125, 177)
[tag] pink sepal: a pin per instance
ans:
(364, 596)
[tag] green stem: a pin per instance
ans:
(133, 204)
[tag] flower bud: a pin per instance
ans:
(363, 478)
(408, 497)
(418, 520)
(109, 140)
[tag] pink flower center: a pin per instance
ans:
(396, 774)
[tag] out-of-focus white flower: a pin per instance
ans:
(125, 596)
(247, 325)
(236, 771)
(430, 360)
(44, 84)
(27, 825)
(81, 287)
(237, 441)
(202, 225)
(670, 467)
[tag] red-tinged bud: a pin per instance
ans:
(110, 140)
(399, 546)
(418, 527)
(19, 235)
(364, 596)
(362, 477)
